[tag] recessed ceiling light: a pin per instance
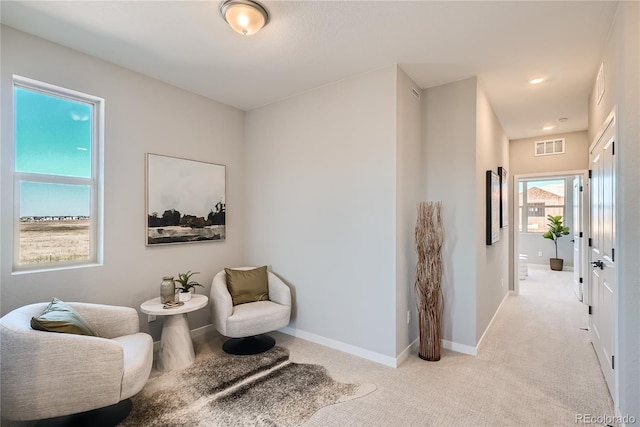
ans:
(536, 81)
(548, 127)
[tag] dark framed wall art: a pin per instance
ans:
(504, 201)
(493, 207)
(185, 200)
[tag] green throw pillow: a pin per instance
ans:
(60, 317)
(248, 285)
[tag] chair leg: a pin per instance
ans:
(109, 416)
(248, 345)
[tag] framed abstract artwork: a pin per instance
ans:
(504, 201)
(185, 200)
(493, 207)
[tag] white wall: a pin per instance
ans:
(449, 143)
(492, 261)
(321, 207)
(142, 115)
(622, 80)
(576, 155)
(322, 186)
(463, 139)
(410, 189)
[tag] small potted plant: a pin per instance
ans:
(556, 230)
(186, 284)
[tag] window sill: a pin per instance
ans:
(43, 269)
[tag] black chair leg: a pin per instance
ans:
(248, 345)
(109, 416)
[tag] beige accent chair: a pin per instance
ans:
(246, 323)
(50, 374)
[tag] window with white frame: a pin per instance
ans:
(57, 170)
(548, 147)
(539, 198)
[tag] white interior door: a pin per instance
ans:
(602, 252)
(577, 237)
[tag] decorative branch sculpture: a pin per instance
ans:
(429, 235)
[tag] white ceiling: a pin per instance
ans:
(312, 43)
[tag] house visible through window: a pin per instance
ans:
(536, 209)
(57, 135)
(538, 199)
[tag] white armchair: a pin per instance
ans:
(49, 374)
(247, 323)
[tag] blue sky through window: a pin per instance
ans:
(53, 136)
(44, 199)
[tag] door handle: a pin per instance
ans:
(598, 263)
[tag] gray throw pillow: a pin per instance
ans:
(61, 317)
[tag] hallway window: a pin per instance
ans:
(57, 138)
(539, 198)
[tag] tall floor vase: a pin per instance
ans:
(429, 236)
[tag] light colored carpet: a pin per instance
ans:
(536, 367)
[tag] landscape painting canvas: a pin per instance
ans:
(185, 200)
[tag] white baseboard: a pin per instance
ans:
(460, 348)
(546, 266)
(491, 322)
(347, 348)
(470, 350)
(411, 348)
(373, 356)
(194, 333)
(202, 330)
(327, 342)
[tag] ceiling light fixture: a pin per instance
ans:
(246, 17)
(548, 127)
(536, 81)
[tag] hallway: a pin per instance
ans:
(542, 336)
(536, 367)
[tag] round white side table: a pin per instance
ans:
(176, 347)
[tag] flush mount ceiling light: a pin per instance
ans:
(536, 81)
(548, 127)
(246, 17)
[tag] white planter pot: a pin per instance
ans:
(184, 296)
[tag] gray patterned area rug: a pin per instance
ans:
(224, 390)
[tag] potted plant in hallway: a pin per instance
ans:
(556, 230)
(186, 284)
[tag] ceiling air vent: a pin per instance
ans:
(415, 93)
(550, 146)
